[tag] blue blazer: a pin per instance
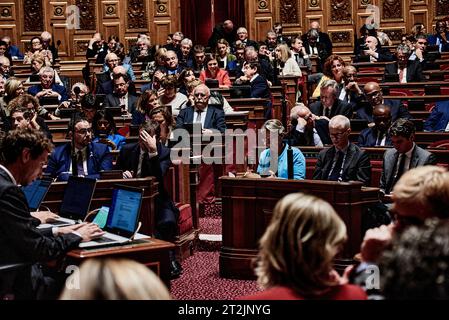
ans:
(15, 52)
(98, 159)
(439, 117)
(368, 138)
(398, 110)
(432, 39)
(215, 118)
(33, 90)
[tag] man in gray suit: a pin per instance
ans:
(404, 156)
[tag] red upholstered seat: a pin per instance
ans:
(185, 222)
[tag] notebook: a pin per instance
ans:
(36, 192)
(75, 202)
(123, 217)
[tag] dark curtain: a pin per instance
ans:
(196, 22)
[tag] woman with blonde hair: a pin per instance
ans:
(115, 279)
(287, 66)
(13, 89)
(295, 260)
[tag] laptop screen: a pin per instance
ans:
(35, 192)
(77, 196)
(125, 209)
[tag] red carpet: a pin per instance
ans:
(200, 279)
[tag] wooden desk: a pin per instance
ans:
(151, 252)
(248, 206)
(255, 107)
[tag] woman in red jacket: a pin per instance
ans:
(214, 72)
(296, 253)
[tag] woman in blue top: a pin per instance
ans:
(275, 133)
(105, 131)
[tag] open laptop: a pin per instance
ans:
(75, 202)
(123, 217)
(36, 192)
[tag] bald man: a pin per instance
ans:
(323, 38)
(226, 31)
(374, 97)
(344, 161)
(308, 129)
(374, 52)
(377, 136)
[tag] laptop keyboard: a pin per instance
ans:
(104, 239)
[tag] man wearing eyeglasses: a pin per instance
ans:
(374, 97)
(441, 37)
(201, 113)
(405, 155)
(91, 157)
(343, 161)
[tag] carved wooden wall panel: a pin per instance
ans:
(289, 12)
(88, 15)
(314, 5)
(33, 16)
(392, 10)
(341, 38)
(340, 12)
(137, 15)
(441, 8)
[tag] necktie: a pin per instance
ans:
(335, 173)
(198, 116)
(79, 163)
(401, 167)
(401, 75)
(297, 58)
(380, 137)
(327, 112)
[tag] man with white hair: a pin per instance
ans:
(48, 88)
(374, 51)
(308, 129)
(242, 37)
(208, 116)
(13, 50)
(344, 161)
(5, 68)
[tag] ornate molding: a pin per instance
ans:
(88, 20)
(137, 17)
(6, 11)
(314, 4)
(395, 35)
(161, 7)
(392, 10)
(110, 10)
(263, 5)
(441, 8)
(364, 3)
(289, 12)
(80, 47)
(340, 12)
(33, 15)
(341, 38)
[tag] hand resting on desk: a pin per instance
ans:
(44, 216)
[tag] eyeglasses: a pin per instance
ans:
(339, 134)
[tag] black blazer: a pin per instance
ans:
(215, 118)
(368, 138)
(414, 70)
(111, 100)
(21, 242)
(167, 213)
(357, 166)
(338, 108)
(306, 138)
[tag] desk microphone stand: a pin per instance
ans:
(74, 156)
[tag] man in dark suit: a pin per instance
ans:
(91, 157)
(404, 156)
(172, 65)
(308, 129)
(242, 37)
(373, 52)
(377, 136)
(209, 116)
(329, 104)
(121, 96)
(322, 38)
(438, 119)
(408, 70)
(149, 157)
(351, 92)
(374, 97)
(343, 161)
(226, 31)
(258, 83)
(23, 153)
